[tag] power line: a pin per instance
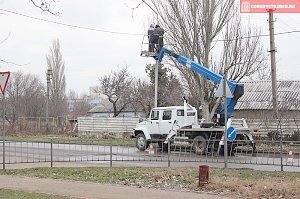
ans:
(133, 34)
(70, 25)
(261, 35)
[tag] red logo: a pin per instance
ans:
(263, 6)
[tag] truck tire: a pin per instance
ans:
(199, 145)
(141, 142)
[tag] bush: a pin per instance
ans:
(274, 135)
(295, 136)
(286, 137)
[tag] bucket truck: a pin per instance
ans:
(180, 123)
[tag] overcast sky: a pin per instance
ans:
(90, 54)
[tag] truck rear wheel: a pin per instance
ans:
(199, 145)
(141, 142)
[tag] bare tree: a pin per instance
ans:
(44, 5)
(56, 64)
(143, 98)
(117, 86)
(170, 90)
(80, 105)
(192, 26)
(25, 96)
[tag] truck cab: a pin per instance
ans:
(163, 123)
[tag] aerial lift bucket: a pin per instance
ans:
(145, 48)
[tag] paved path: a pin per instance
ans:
(88, 190)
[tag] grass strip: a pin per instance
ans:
(239, 182)
(15, 194)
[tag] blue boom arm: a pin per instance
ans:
(209, 75)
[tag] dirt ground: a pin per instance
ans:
(84, 190)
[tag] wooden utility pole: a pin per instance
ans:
(273, 64)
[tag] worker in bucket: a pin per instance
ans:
(151, 38)
(159, 37)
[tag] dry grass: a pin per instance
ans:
(252, 189)
(258, 185)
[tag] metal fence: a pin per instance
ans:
(120, 127)
(265, 126)
(43, 125)
(267, 152)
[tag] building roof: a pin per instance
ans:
(258, 95)
(101, 108)
(106, 107)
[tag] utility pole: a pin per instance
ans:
(156, 83)
(226, 126)
(274, 77)
(49, 77)
(273, 64)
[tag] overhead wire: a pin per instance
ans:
(133, 34)
(69, 25)
(286, 25)
(261, 35)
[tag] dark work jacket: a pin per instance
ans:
(151, 35)
(158, 35)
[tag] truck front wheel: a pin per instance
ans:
(141, 142)
(199, 145)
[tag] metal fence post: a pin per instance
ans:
(169, 153)
(4, 134)
(110, 152)
(51, 152)
(281, 153)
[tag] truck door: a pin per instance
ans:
(166, 123)
(153, 125)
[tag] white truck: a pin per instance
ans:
(180, 123)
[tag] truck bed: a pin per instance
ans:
(215, 129)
